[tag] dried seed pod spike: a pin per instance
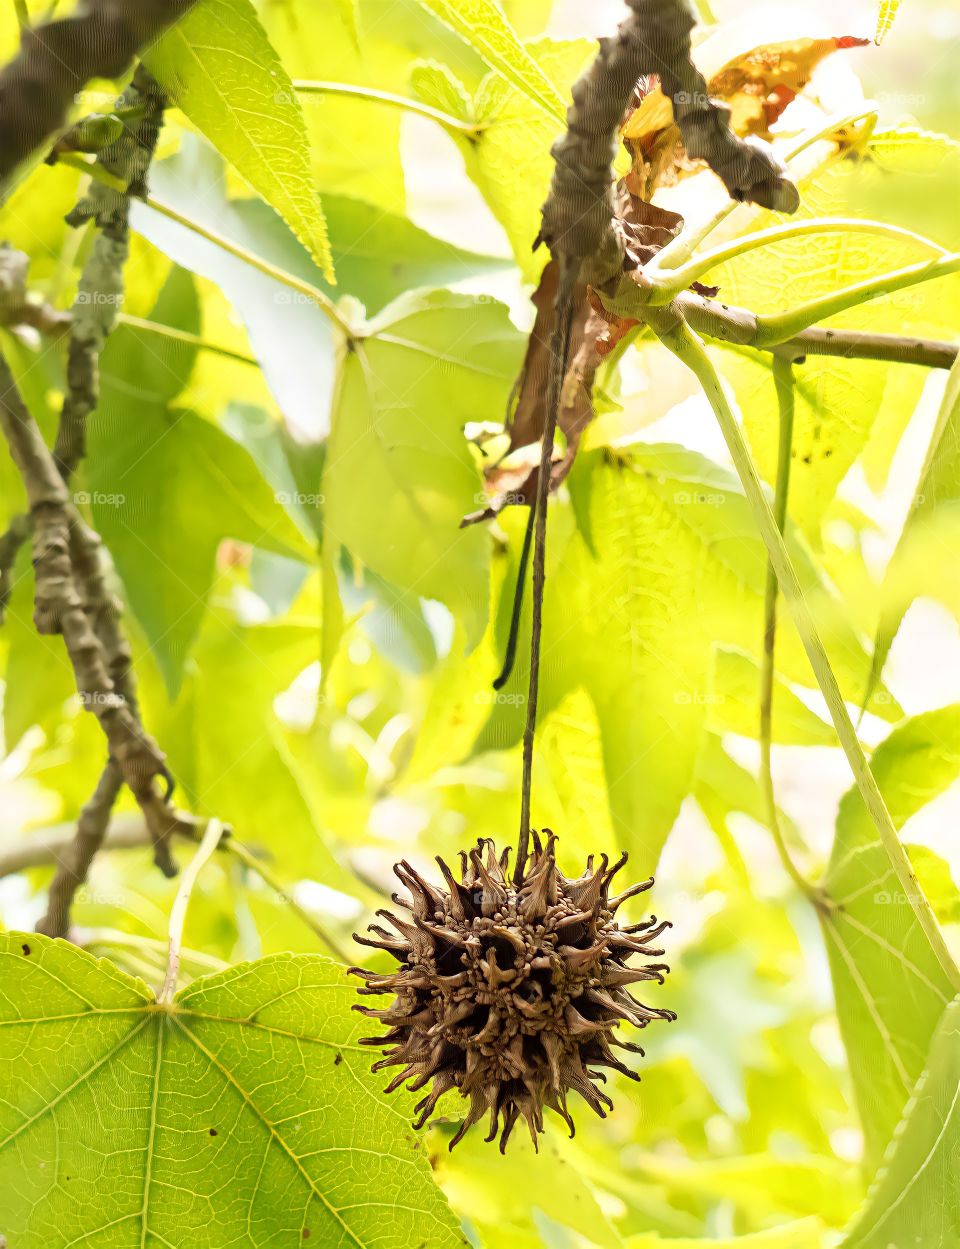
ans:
(510, 989)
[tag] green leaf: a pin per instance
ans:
(723, 787)
(674, 567)
(166, 487)
(378, 256)
(890, 988)
(399, 475)
(915, 1199)
(290, 335)
(221, 69)
(936, 881)
(226, 745)
(509, 160)
(803, 1234)
(155, 368)
(38, 680)
(837, 403)
(931, 523)
(351, 18)
(549, 1181)
(735, 705)
(484, 26)
(244, 1111)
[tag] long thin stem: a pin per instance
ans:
(559, 350)
(313, 293)
(780, 326)
(784, 382)
(665, 287)
(375, 96)
(183, 336)
(681, 340)
(249, 860)
(178, 912)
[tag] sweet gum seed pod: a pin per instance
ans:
(510, 993)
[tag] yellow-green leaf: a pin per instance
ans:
(484, 25)
(244, 1112)
(221, 69)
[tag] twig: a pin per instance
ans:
(742, 328)
(786, 395)
(100, 291)
(559, 350)
(178, 912)
(55, 61)
(127, 831)
(75, 864)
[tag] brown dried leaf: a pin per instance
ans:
(756, 87)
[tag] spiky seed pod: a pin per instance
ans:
(510, 994)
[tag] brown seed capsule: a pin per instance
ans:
(510, 994)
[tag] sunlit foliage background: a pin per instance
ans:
(336, 746)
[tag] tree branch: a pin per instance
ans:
(655, 39)
(126, 832)
(55, 61)
(742, 328)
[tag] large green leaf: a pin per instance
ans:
(666, 565)
(890, 988)
(399, 475)
(244, 1112)
(166, 486)
(220, 67)
(929, 533)
(378, 256)
(915, 1199)
(484, 25)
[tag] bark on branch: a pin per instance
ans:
(655, 39)
(741, 327)
(55, 61)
